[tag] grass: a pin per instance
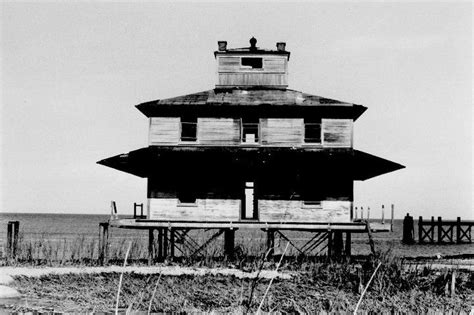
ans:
(329, 287)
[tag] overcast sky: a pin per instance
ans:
(72, 73)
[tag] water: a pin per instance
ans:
(73, 227)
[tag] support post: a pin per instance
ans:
(392, 216)
(270, 242)
(432, 229)
(165, 243)
(355, 213)
(151, 246)
(172, 243)
(338, 244)
(329, 244)
(420, 230)
(362, 213)
(368, 213)
(229, 237)
(458, 230)
(161, 253)
(440, 230)
(348, 245)
(383, 218)
(103, 242)
(134, 210)
(16, 230)
(9, 239)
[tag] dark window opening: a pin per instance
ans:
(250, 130)
(312, 203)
(312, 131)
(254, 63)
(187, 197)
(188, 128)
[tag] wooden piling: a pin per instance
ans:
(440, 229)
(103, 242)
(368, 213)
(160, 252)
(383, 214)
(362, 213)
(392, 216)
(270, 242)
(229, 238)
(355, 213)
(458, 230)
(13, 228)
(338, 244)
(420, 230)
(348, 244)
(172, 243)
(151, 246)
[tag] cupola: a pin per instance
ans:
(252, 66)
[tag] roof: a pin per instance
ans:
(253, 51)
(250, 97)
(356, 164)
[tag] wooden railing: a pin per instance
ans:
(447, 231)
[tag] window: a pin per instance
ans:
(187, 198)
(188, 129)
(252, 63)
(312, 131)
(250, 131)
(313, 204)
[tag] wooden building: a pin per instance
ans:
(250, 153)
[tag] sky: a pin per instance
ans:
(71, 74)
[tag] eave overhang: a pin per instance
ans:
(354, 164)
(257, 101)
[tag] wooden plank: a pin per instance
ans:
(218, 131)
(270, 64)
(204, 210)
(164, 130)
(252, 79)
(295, 211)
(282, 131)
(337, 132)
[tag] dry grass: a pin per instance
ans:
(322, 287)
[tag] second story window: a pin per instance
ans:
(252, 63)
(188, 129)
(250, 131)
(312, 131)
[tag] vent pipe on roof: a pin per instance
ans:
(281, 46)
(222, 44)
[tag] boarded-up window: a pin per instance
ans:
(312, 130)
(337, 132)
(188, 128)
(164, 130)
(282, 131)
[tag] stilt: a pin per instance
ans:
(348, 244)
(371, 240)
(160, 253)
(165, 243)
(270, 242)
(229, 237)
(103, 242)
(392, 217)
(338, 244)
(383, 217)
(172, 243)
(329, 244)
(151, 246)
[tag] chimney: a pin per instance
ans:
(253, 43)
(222, 45)
(281, 46)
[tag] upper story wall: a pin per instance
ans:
(252, 70)
(281, 132)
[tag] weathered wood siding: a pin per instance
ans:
(164, 130)
(204, 210)
(337, 132)
(296, 211)
(282, 132)
(218, 131)
(272, 73)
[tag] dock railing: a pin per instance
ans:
(447, 231)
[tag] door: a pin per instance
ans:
(249, 204)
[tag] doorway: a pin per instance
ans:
(249, 203)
